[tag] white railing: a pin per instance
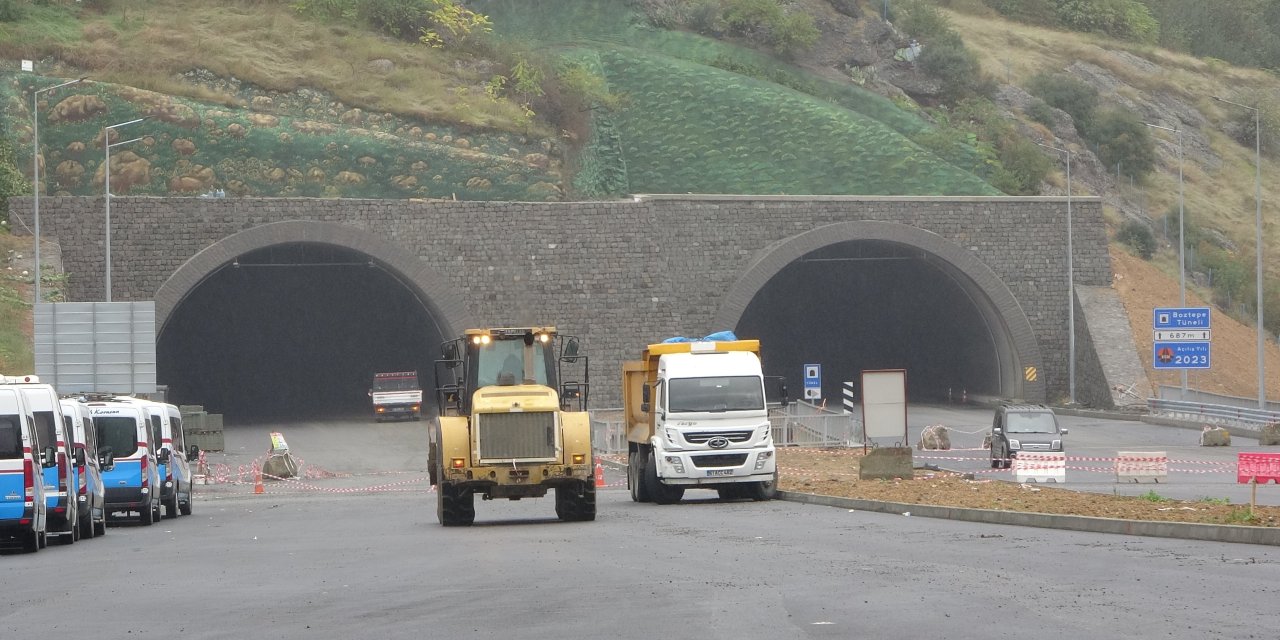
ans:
(801, 424)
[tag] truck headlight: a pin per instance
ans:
(675, 462)
(762, 458)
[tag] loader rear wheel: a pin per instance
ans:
(635, 478)
(576, 503)
(455, 506)
(661, 493)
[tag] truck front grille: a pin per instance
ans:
(701, 437)
(516, 436)
(720, 460)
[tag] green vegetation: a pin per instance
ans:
(1137, 236)
(1152, 496)
(1210, 500)
(944, 57)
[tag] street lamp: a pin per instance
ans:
(1071, 286)
(1182, 242)
(106, 183)
(35, 169)
(1257, 198)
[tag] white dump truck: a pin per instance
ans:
(396, 394)
(696, 417)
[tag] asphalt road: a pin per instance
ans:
(314, 560)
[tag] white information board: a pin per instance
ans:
(96, 346)
(884, 403)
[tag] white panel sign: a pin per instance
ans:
(96, 346)
(884, 404)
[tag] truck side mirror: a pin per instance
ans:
(571, 349)
(645, 395)
(451, 355)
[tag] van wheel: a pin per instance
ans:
(100, 527)
(31, 542)
(171, 505)
(146, 516)
(86, 526)
(185, 507)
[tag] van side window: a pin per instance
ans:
(178, 443)
(90, 435)
(157, 433)
(10, 438)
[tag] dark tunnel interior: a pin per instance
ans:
(865, 305)
(294, 331)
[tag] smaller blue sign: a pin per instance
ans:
(813, 376)
(1180, 355)
(1180, 318)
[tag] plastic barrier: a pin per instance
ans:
(1257, 467)
(1136, 465)
(1038, 467)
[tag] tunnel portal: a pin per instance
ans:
(294, 330)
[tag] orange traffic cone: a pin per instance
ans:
(257, 480)
(599, 473)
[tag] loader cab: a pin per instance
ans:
(510, 358)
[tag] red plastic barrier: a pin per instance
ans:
(1260, 467)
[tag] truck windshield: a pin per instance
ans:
(395, 384)
(118, 432)
(502, 362)
(728, 393)
(10, 438)
(1030, 423)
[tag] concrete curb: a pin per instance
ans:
(1186, 531)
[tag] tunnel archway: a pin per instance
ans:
(876, 295)
(291, 319)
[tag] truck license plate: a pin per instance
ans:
(719, 472)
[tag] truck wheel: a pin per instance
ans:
(728, 492)
(576, 504)
(455, 507)
(761, 491)
(635, 478)
(661, 493)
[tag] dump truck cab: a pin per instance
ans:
(513, 422)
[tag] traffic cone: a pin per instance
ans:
(599, 473)
(257, 480)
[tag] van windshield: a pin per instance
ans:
(118, 432)
(10, 438)
(727, 393)
(1030, 423)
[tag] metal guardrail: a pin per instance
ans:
(1214, 413)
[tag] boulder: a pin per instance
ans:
(1215, 437)
(1270, 434)
(934, 438)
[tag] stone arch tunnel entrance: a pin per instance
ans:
(885, 298)
(292, 330)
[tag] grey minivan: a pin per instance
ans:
(1023, 427)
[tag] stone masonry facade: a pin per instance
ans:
(619, 274)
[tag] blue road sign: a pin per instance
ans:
(813, 376)
(1180, 355)
(1180, 318)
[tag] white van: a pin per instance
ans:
(91, 496)
(23, 518)
(175, 472)
(61, 479)
(124, 433)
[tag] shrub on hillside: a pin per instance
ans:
(11, 10)
(402, 19)
(12, 182)
(1023, 166)
(1041, 112)
(1042, 12)
(767, 23)
(1125, 19)
(956, 68)
(1063, 91)
(1138, 237)
(1123, 141)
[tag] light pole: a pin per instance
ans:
(106, 183)
(1071, 286)
(35, 170)
(1182, 243)
(1257, 198)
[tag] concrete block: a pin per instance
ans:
(886, 463)
(1215, 437)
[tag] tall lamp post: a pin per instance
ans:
(1257, 198)
(106, 183)
(1071, 286)
(1182, 243)
(35, 170)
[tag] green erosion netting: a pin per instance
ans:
(312, 147)
(691, 126)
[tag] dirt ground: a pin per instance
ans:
(834, 472)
